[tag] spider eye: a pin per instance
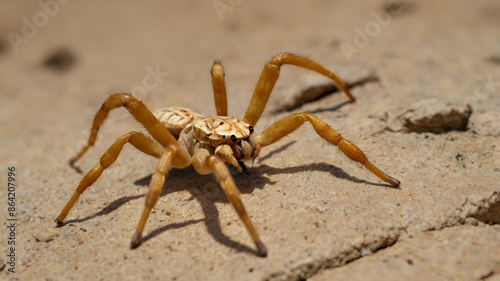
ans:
(251, 129)
(233, 138)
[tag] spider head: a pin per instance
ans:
(218, 130)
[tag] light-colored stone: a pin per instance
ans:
(435, 116)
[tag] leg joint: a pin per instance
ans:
(323, 129)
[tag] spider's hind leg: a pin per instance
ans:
(138, 140)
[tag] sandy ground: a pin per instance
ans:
(321, 216)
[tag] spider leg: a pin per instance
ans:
(270, 75)
(219, 86)
(204, 163)
(144, 116)
(138, 140)
(289, 124)
(155, 187)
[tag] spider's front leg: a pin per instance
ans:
(219, 86)
(205, 163)
(154, 190)
(270, 75)
(289, 124)
(138, 140)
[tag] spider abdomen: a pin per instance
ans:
(175, 119)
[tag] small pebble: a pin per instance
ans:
(60, 60)
(435, 116)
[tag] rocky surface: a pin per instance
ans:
(320, 215)
(435, 116)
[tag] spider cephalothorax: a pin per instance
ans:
(184, 137)
(228, 136)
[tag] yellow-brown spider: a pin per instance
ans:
(187, 138)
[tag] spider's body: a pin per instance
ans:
(214, 133)
(217, 130)
(176, 119)
(184, 137)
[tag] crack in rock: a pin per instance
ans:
(486, 210)
(472, 210)
(308, 267)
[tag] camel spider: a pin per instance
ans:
(185, 137)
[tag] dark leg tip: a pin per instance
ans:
(136, 240)
(261, 249)
(394, 182)
(59, 223)
(244, 168)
